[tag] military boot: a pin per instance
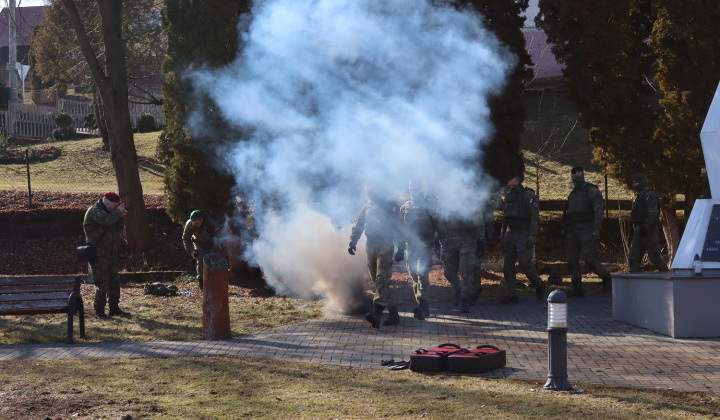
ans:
(465, 305)
(393, 318)
(101, 315)
(577, 291)
(418, 313)
(116, 311)
(424, 307)
(374, 317)
(607, 284)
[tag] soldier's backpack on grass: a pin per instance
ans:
(160, 289)
(434, 359)
(477, 360)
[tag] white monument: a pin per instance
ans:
(680, 303)
(693, 241)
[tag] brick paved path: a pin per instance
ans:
(600, 349)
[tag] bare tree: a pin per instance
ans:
(111, 82)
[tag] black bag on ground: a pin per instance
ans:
(478, 360)
(434, 359)
(86, 253)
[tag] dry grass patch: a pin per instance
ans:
(162, 318)
(237, 387)
(84, 167)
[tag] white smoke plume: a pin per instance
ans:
(338, 93)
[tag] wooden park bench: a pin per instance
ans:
(43, 295)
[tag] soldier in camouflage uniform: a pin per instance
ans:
(101, 222)
(199, 240)
(584, 214)
(520, 226)
(420, 225)
(461, 238)
(380, 219)
(645, 217)
(490, 243)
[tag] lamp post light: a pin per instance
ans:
(557, 342)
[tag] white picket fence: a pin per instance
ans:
(31, 121)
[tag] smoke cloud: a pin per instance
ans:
(334, 94)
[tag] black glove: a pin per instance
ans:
(400, 255)
(480, 250)
(351, 250)
(642, 231)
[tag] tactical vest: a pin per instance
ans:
(378, 222)
(640, 210)
(515, 213)
(418, 220)
(580, 207)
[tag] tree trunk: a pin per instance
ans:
(100, 117)
(111, 82)
(669, 223)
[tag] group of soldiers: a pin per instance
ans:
(412, 229)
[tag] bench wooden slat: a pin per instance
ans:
(20, 281)
(31, 297)
(43, 295)
(9, 290)
(45, 306)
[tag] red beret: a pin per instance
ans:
(112, 197)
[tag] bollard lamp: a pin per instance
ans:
(557, 342)
(697, 265)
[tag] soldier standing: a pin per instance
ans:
(461, 237)
(380, 219)
(199, 240)
(584, 213)
(489, 242)
(420, 226)
(645, 217)
(520, 226)
(102, 220)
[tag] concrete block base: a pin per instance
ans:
(667, 303)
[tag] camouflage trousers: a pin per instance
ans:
(107, 285)
(650, 243)
(199, 266)
(515, 248)
(418, 259)
(579, 242)
(459, 256)
(380, 260)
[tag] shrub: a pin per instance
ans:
(63, 120)
(146, 123)
(64, 130)
(90, 121)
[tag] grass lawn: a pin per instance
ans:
(161, 318)
(83, 167)
(239, 387)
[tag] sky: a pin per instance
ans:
(23, 3)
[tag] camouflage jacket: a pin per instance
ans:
(201, 237)
(419, 220)
(381, 223)
(100, 227)
(646, 208)
(521, 211)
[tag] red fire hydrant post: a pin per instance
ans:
(216, 310)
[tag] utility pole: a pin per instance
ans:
(12, 63)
